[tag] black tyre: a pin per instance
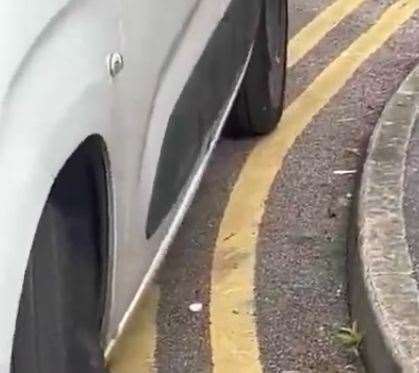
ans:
(259, 104)
(59, 323)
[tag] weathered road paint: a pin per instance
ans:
(233, 328)
(315, 31)
(134, 351)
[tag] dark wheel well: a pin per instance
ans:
(88, 161)
(62, 306)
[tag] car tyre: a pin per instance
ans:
(59, 323)
(260, 100)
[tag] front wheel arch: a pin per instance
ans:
(78, 214)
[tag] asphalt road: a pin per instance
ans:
(263, 248)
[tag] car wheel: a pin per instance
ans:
(58, 328)
(259, 104)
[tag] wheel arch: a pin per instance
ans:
(77, 209)
(23, 197)
(93, 151)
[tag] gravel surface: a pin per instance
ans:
(302, 12)
(183, 338)
(333, 44)
(301, 277)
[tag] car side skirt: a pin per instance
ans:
(195, 117)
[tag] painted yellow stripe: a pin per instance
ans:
(314, 31)
(134, 351)
(233, 330)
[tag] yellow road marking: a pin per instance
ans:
(233, 330)
(314, 31)
(134, 351)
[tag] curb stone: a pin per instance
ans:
(384, 295)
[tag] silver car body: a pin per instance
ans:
(56, 90)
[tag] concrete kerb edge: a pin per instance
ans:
(384, 296)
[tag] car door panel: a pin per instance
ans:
(149, 34)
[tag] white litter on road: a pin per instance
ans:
(195, 307)
(345, 172)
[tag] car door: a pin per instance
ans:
(148, 33)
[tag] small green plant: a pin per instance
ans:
(350, 337)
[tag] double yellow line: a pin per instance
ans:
(316, 30)
(233, 334)
(234, 340)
